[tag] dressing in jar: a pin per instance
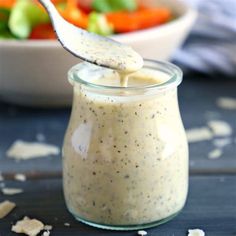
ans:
(125, 153)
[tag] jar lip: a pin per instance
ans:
(163, 66)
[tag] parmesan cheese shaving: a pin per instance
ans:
(217, 128)
(198, 134)
(196, 232)
(142, 233)
(47, 227)
(215, 154)
(227, 103)
(21, 150)
(46, 233)
(20, 177)
(30, 227)
(220, 128)
(5, 208)
(11, 191)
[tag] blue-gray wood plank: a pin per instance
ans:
(210, 206)
(197, 98)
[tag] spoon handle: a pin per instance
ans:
(50, 8)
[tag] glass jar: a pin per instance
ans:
(125, 154)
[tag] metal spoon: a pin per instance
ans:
(92, 47)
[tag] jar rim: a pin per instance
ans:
(175, 73)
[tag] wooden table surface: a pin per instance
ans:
(211, 203)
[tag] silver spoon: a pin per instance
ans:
(92, 47)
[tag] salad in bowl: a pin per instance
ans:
(26, 19)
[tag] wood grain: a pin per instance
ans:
(210, 206)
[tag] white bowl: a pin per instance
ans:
(35, 72)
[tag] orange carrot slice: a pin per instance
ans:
(140, 19)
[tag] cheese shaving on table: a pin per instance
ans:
(220, 128)
(47, 227)
(199, 134)
(215, 154)
(142, 233)
(196, 232)
(11, 191)
(46, 233)
(21, 150)
(226, 103)
(67, 224)
(5, 208)
(20, 177)
(30, 227)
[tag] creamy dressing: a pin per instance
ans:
(124, 79)
(125, 155)
(100, 50)
(106, 77)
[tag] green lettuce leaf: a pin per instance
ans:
(114, 5)
(24, 16)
